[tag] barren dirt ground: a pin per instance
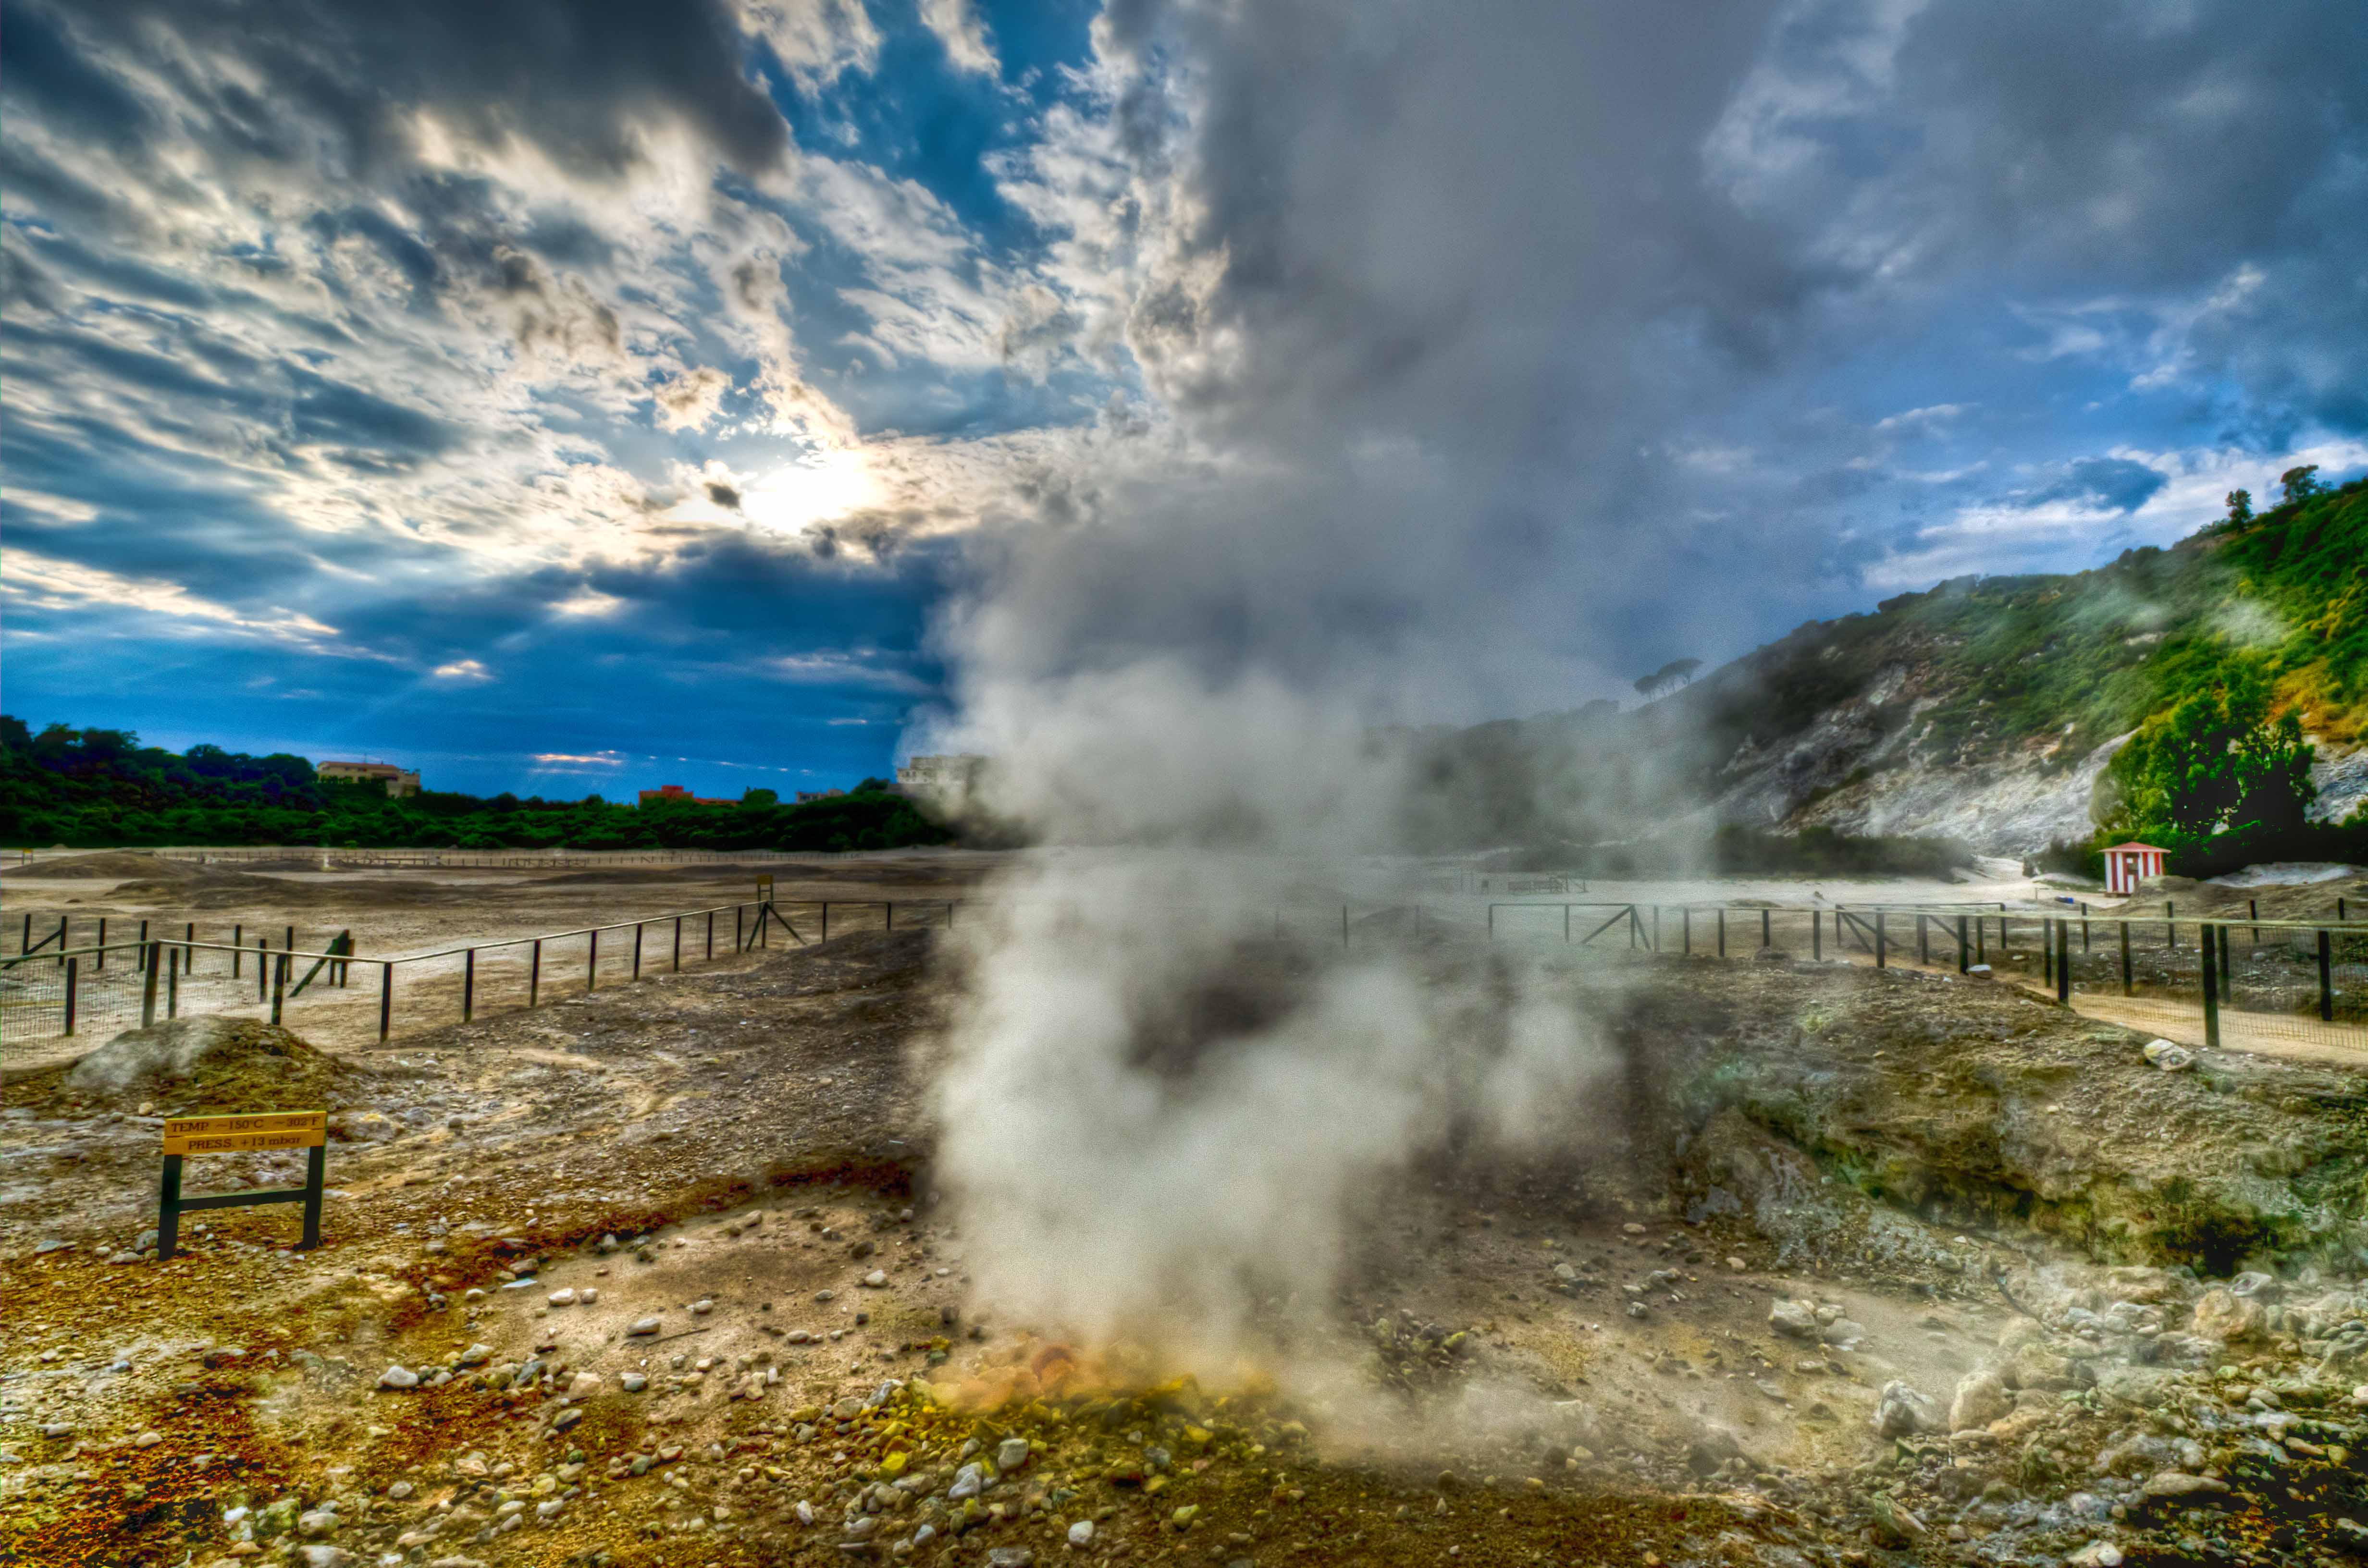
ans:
(1888, 1267)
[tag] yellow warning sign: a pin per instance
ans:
(224, 1134)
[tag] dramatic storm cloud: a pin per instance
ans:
(524, 387)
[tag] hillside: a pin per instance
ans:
(1983, 709)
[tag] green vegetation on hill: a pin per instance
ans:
(2067, 663)
(101, 788)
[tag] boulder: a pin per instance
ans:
(1796, 1319)
(1981, 1398)
(2224, 1315)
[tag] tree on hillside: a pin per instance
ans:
(2240, 507)
(2214, 763)
(1677, 672)
(2301, 483)
(752, 796)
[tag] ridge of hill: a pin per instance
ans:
(1982, 709)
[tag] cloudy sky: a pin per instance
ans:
(563, 397)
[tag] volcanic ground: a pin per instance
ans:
(1883, 1266)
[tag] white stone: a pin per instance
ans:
(1082, 1533)
(398, 1378)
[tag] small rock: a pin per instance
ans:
(1902, 1411)
(584, 1385)
(1008, 1557)
(2349, 1535)
(398, 1378)
(1011, 1454)
(1736, 1264)
(1893, 1525)
(400, 1490)
(805, 1512)
(2096, 1554)
(702, 1307)
(1796, 1319)
(317, 1524)
(2178, 1483)
(875, 1279)
(2170, 1057)
(634, 1383)
(562, 1298)
(645, 1325)
(967, 1482)
(1082, 1533)
(1639, 1310)
(475, 1356)
(589, 1294)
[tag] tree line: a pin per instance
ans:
(88, 788)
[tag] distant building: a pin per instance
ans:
(2126, 865)
(808, 797)
(676, 794)
(399, 781)
(943, 776)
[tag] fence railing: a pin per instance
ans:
(2252, 981)
(2213, 981)
(60, 994)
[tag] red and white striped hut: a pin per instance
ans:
(2126, 864)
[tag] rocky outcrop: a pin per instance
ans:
(1822, 1101)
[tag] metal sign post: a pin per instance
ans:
(187, 1135)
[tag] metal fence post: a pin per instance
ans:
(2221, 947)
(2169, 924)
(592, 960)
(1722, 930)
(678, 944)
(534, 972)
(2326, 983)
(1878, 939)
(739, 937)
(2127, 989)
(73, 974)
(2211, 988)
(237, 948)
(1767, 930)
(148, 960)
(279, 984)
(469, 985)
(1816, 937)
(2084, 924)
(262, 968)
(99, 959)
(189, 953)
(168, 1210)
(1686, 931)
(2047, 950)
(1964, 953)
(711, 933)
(637, 949)
(144, 955)
(1923, 942)
(2253, 908)
(1981, 939)
(385, 998)
(173, 984)
(2063, 961)
(64, 919)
